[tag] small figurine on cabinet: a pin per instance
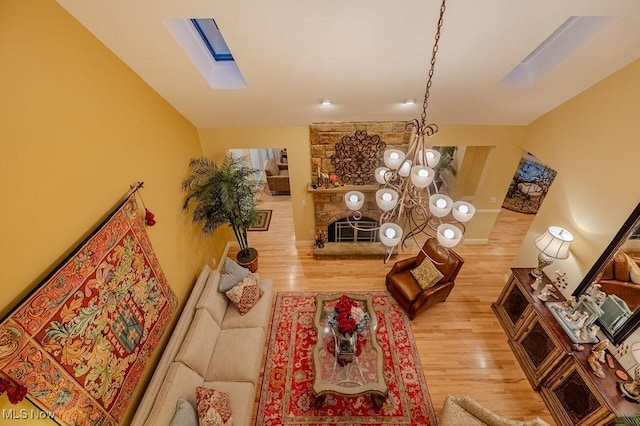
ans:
(536, 284)
(546, 292)
(597, 357)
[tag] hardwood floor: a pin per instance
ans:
(462, 347)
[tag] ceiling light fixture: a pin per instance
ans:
(409, 101)
(409, 200)
(325, 102)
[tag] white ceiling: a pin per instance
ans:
(364, 55)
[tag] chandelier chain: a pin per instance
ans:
(425, 104)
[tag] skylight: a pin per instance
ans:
(212, 39)
(204, 44)
(565, 40)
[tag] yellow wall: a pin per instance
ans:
(77, 127)
(592, 141)
(216, 142)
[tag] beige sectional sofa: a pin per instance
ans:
(212, 346)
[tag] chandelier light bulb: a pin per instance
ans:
(353, 198)
(423, 173)
(386, 196)
(386, 199)
(448, 233)
(432, 157)
(394, 156)
(390, 233)
(463, 209)
(440, 203)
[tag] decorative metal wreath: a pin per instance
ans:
(357, 157)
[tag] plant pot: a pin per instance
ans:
(248, 258)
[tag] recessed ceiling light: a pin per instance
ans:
(325, 101)
(409, 101)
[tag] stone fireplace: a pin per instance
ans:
(352, 151)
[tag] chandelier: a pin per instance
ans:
(409, 201)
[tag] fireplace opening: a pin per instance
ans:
(341, 232)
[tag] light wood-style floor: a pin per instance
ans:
(462, 347)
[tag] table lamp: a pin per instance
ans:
(553, 244)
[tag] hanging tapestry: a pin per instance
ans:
(80, 341)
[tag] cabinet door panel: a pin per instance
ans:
(537, 345)
(577, 401)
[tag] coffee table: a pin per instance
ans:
(365, 374)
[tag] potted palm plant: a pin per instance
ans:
(225, 194)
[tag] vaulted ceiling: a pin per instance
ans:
(366, 56)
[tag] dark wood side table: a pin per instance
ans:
(572, 393)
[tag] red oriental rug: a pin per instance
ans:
(286, 396)
(81, 339)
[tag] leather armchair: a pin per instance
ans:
(407, 291)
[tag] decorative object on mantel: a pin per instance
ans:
(80, 341)
(357, 157)
(553, 244)
(410, 204)
(224, 195)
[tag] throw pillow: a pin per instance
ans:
(214, 407)
(426, 274)
(634, 271)
(185, 414)
(246, 294)
(232, 275)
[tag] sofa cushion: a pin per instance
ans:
(237, 355)
(426, 274)
(185, 414)
(199, 342)
(214, 407)
(179, 383)
(271, 168)
(212, 300)
(242, 395)
(258, 316)
(232, 275)
(245, 295)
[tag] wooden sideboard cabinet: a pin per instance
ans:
(572, 393)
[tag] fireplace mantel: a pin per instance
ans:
(343, 189)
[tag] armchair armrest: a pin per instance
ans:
(403, 265)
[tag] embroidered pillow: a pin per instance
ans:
(232, 275)
(246, 294)
(426, 274)
(214, 407)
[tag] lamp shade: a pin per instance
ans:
(448, 235)
(381, 175)
(405, 169)
(354, 200)
(440, 205)
(432, 157)
(463, 211)
(386, 199)
(422, 176)
(390, 234)
(393, 158)
(555, 242)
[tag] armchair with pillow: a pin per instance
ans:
(417, 283)
(277, 177)
(621, 277)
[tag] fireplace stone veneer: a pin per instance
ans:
(329, 203)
